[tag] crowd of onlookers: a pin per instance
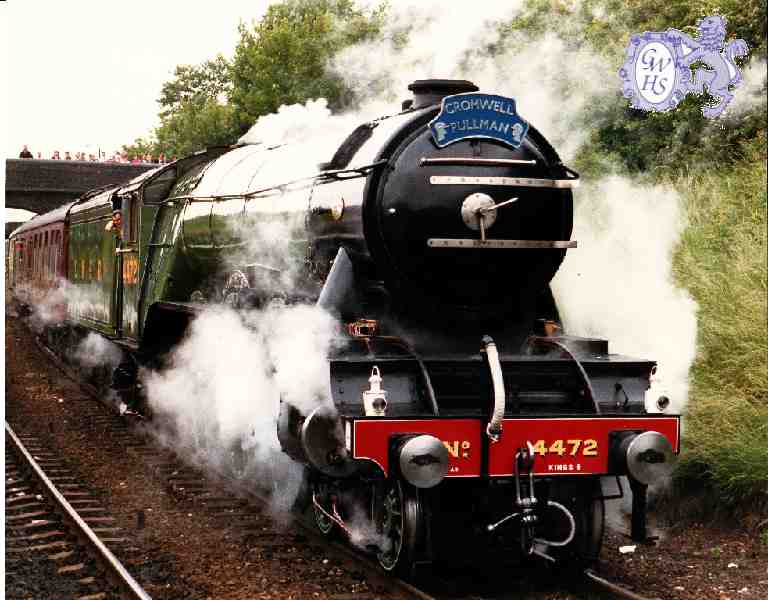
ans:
(117, 157)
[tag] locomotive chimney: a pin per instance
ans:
(431, 91)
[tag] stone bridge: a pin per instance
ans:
(42, 185)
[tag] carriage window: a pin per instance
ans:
(130, 217)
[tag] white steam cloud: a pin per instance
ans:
(52, 306)
(439, 36)
(220, 396)
(618, 283)
(548, 95)
(63, 301)
(750, 94)
(96, 351)
(218, 401)
(290, 124)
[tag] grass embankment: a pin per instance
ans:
(721, 261)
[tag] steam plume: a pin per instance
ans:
(626, 231)
(218, 401)
(225, 381)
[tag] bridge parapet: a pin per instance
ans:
(42, 185)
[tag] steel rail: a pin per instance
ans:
(130, 588)
(386, 580)
(614, 588)
(305, 524)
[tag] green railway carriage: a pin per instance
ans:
(103, 273)
(215, 226)
(37, 256)
(186, 228)
(142, 266)
(92, 265)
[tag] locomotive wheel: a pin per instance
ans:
(400, 522)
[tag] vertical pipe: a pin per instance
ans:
(639, 531)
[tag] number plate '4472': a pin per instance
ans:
(576, 447)
(570, 446)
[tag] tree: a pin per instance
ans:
(195, 125)
(209, 80)
(642, 141)
(283, 60)
(140, 147)
(194, 112)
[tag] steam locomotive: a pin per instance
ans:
(461, 410)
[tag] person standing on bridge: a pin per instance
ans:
(25, 153)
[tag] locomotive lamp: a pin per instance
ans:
(657, 395)
(375, 399)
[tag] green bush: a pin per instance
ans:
(721, 261)
(720, 171)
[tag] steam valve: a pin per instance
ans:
(375, 399)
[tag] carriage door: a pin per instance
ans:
(128, 288)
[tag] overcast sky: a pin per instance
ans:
(86, 74)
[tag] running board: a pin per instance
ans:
(467, 243)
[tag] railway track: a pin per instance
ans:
(247, 513)
(50, 513)
(244, 510)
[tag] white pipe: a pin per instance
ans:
(499, 395)
(571, 522)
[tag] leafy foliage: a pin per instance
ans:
(280, 60)
(195, 83)
(722, 261)
(719, 167)
(636, 140)
(196, 125)
(283, 60)
(194, 111)
(140, 148)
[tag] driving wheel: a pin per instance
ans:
(400, 524)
